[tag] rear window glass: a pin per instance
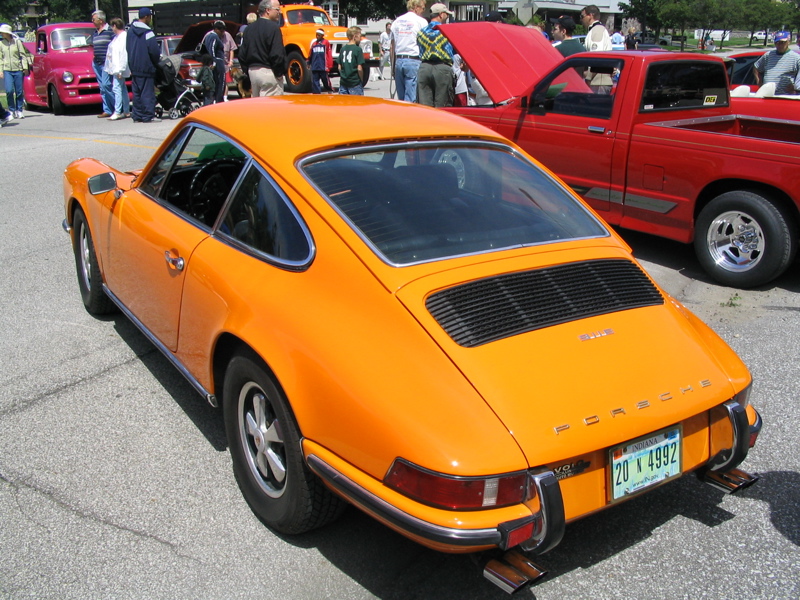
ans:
(437, 201)
(684, 84)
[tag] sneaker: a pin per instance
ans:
(7, 120)
(103, 115)
(18, 114)
(116, 117)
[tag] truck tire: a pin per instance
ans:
(298, 75)
(364, 75)
(744, 240)
(56, 105)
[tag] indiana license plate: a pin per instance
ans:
(644, 462)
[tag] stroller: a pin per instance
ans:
(175, 98)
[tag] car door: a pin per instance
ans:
(569, 125)
(155, 227)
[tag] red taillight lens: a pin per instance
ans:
(456, 493)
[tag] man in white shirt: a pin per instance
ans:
(385, 43)
(405, 51)
(597, 38)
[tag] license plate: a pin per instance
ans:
(644, 462)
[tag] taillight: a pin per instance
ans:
(456, 493)
(743, 397)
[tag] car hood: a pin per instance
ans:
(507, 59)
(194, 34)
(583, 382)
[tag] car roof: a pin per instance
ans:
(52, 26)
(281, 129)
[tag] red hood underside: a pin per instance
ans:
(507, 59)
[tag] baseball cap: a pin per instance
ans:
(782, 36)
(494, 17)
(145, 12)
(439, 8)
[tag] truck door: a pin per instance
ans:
(569, 126)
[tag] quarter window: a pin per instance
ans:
(260, 218)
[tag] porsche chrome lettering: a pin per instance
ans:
(585, 337)
(640, 405)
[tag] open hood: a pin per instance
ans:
(507, 59)
(194, 34)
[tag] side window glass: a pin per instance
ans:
(259, 217)
(196, 176)
(684, 84)
(583, 87)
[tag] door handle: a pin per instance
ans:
(595, 129)
(174, 262)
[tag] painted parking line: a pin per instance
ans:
(76, 139)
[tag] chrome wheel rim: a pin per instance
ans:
(735, 241)
(86, 271)
(262, 440)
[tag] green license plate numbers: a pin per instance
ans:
(644, 462)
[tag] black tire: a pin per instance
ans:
(744, 240)
(364, 75)
(298, 75)
(264, 442)
(56, 105)
(89, 276)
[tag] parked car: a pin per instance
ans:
(168, 44)
(628, 135)
(394, 314)
(190, 58)
(741, 72)
(62, 75)
(760, 36)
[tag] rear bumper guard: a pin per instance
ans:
(732, 436)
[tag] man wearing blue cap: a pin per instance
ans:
(143, 57)
(780, 66)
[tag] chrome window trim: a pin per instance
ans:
(438, 143)
(292, 265)
(181, 139)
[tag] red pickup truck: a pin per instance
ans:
(651, 141)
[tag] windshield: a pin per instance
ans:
(305, 15)
(78, 37)
(172, 44)
(440, 200)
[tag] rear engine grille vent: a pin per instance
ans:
(498, 307)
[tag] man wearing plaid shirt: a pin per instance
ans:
(435, 77)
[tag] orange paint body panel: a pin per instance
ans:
(369, 374)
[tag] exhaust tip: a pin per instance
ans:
(731, 481)
(513, 571)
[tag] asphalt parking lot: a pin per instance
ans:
(115, 479)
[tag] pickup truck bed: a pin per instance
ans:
(742, 126)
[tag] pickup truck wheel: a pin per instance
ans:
(298, 75)
(89, 277)
(264, 442)
(56, 105)
(743, 240)
(364, 75)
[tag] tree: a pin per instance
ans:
(12, 10)
(678, 14)
(372, 9)
(644, 11)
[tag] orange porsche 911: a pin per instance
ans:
(399, 309)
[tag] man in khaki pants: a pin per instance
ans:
(262, 53)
